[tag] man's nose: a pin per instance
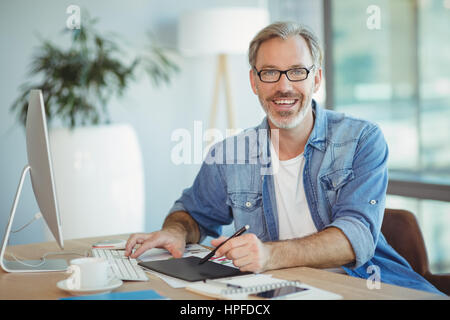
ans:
(284, 84)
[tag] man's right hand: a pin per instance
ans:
(169, 239)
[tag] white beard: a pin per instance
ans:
(283, 120)
(293, 122)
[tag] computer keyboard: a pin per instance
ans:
(123, 267)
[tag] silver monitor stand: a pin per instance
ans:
(41, 175)
(26, 265)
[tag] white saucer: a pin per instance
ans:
(113, 284)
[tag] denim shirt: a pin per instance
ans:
(345, 179)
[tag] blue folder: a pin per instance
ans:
(129, 295)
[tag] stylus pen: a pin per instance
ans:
(225, 285)
(212, 253)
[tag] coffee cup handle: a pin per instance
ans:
(73, 282)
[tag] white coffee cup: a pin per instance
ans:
(89, 273)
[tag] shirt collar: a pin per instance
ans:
(318, 135)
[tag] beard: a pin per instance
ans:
(290, 118)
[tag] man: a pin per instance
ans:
(316, 194)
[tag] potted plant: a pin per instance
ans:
(97, 164)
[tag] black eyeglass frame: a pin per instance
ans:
(285, 72)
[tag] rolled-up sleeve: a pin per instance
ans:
(205, 200)
(359, 209)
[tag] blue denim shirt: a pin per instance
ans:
(345, 179)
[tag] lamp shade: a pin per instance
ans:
(219, 30)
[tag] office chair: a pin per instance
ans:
(402, 232)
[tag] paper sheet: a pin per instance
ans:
(162, 254)
(171, 281)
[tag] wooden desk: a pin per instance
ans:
(27, 286)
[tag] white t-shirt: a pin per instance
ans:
(294, 217)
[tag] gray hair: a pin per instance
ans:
(284, 30)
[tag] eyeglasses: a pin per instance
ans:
(273, 75)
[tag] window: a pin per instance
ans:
(391, 65)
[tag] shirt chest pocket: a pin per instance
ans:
(247, 208)
(333, 182)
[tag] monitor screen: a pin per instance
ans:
(39, 160)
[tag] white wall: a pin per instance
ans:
(154, 113)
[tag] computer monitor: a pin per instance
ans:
(41, 173)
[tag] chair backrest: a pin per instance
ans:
(402, 232)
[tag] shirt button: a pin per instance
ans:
(373, 201)
(248, 204)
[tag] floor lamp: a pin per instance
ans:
(220, 32)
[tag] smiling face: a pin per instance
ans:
(286, 103)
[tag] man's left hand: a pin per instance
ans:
(247, 252)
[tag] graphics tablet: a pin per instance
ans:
(188, 269)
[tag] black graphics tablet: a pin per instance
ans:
(188, 269)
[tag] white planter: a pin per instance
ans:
(99, 180)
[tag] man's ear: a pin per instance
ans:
(317, 79)
(252, 76)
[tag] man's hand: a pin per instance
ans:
(247, 252)
(178, 228)
(170, 240)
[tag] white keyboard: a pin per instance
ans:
(123, 267)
